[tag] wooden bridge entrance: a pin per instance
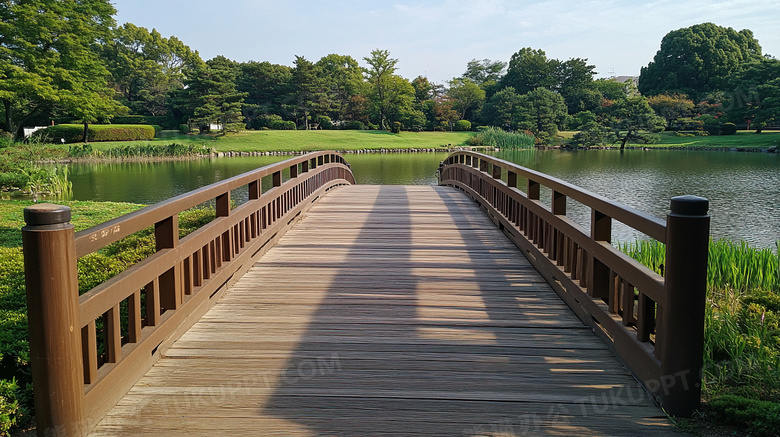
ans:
(383, 310)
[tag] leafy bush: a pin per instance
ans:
(73, 133)
(325, 122)
(395, 127)
(10, 410)
(264, 121)
(728, 129)
(184, 129)
(282, 125)
(760, 418)
(6, 139)
(157, 129)
(353, 125)
(462, 126)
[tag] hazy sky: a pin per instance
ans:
(437, 38)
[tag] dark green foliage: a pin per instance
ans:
(353, 125)
(184, 129)
(593, 134)
(282, 125)
(157, 129)
(697, 60)
(396, 127)
(462, 125)
(728, 129)
(73, 133)
(759, 418)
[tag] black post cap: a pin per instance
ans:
(690, 205)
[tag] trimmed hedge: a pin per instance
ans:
(74, 133)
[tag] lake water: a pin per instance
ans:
(743, 188)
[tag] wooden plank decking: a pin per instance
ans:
(388, 310)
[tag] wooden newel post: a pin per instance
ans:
(53, 319)
(682, 339)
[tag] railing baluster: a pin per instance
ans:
(166, 233)
(598, 275)
(113, 335)
(89, 352)
(134, 317)
(152, 295)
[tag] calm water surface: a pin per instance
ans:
(743, 188)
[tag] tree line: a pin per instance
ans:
(70, 61)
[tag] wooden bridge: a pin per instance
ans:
(319, 307)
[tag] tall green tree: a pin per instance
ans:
(465, 95)
(576, 85)
(530, 69)
(541, 111)
(267, 87)
(698, 60)
(145, 67)
(379, 75)
(342, 79)
(631, 119)
(755, 99)
(210, 94)
(485, 73)
(49, 61)
(308, 89)
(502, 109)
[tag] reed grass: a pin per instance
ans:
(497, 137)
(742, 328)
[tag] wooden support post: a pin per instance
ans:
(483, 166)
(304, 166)
(511, 179)
(53, 315)
(255, 190)
(166, 234)
(681, 340)
(277, 179)
(223, 205)
(293, 171)
(598, 276)
(496, 172)
(533, 190)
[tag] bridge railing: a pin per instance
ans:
(654, 323)
(144, 309)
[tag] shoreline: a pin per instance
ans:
(231, 154)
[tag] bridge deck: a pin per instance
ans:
(388, 310)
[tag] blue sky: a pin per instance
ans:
(437, 38)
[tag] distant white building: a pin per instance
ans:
(30, 130)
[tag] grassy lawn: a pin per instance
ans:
(743, 139)
(288, 141)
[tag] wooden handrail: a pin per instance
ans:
(654, 323)
(161, 296)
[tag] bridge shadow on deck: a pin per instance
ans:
(434, 324)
